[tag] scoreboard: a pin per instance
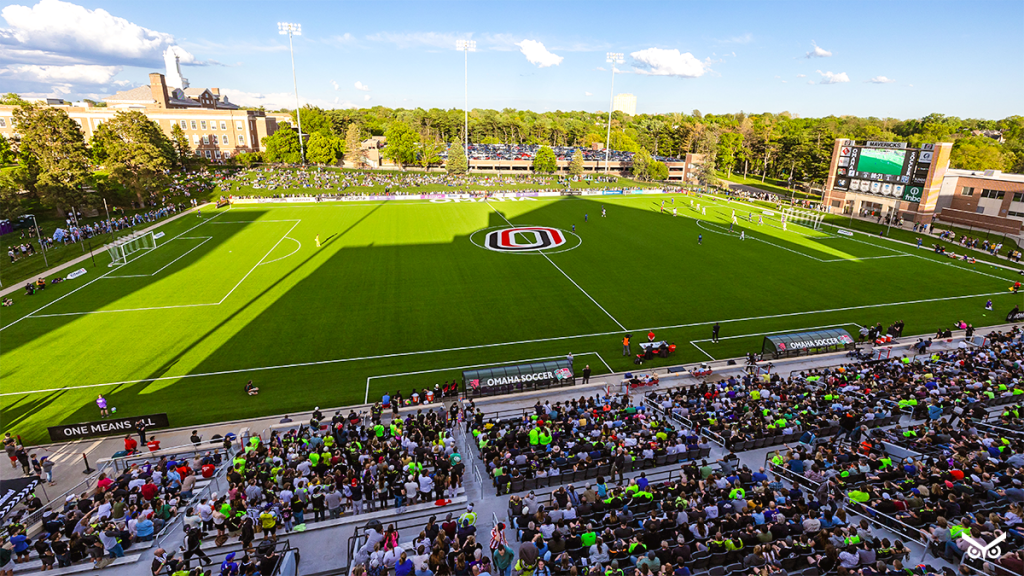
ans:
(888, 169)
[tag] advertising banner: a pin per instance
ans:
(76, 274)
(15, 490)
(509, 379)
(106, 427)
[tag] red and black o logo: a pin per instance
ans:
(524, 239)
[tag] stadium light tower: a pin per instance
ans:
(294, 30)
(466, 46)
(613, 58)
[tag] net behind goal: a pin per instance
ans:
(803, 217)
(124, 247)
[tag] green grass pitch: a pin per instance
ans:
(403, 294)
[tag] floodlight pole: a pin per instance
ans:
(39, 238)
(294, 29)
(466, 46)
(613, 58)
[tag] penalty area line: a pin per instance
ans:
(47, 305)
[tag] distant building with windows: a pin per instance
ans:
(216, 128)
(625, 103)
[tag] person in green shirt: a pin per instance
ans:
(589, 537)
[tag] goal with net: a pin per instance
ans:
(125, 246)
(803, 217)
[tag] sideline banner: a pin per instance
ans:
(106, 427)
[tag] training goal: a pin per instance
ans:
(803, 217)
(125, 246)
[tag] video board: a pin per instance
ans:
(889, 169)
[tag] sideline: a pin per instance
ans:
(498, 344)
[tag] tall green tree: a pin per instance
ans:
(429, 152)
(138, 153)
(324, 149)
(545, 161)
(12, 99)
(182, 149)
(728, 148)
(402, 144)
(282, 146)
(576, 164)
(977, 153)
(457, 161)
(354, 154)
(642, 161)
(53, 150)
(11, 198)
(7, 154)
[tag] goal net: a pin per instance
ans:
(124, 247)
(803, 217)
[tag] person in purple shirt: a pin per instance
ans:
(102, 403)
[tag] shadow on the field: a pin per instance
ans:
(370, 310)
(101, 292)
(166, 366)
(26, 406)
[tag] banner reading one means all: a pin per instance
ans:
(106, 427)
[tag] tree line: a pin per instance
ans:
(128, 159)
(766, 145)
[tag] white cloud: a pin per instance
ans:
(784, 82)
(334, 84)
(830, 78)
(818, 51)
(881, 80)
(778, 76)
(92, 36)
(362, 87)
(661, 62)
(588, 94)
(536, 53)
(801, 75)
(366, 97)
(75, 74)
(810, 81)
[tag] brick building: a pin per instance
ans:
(989, 199)
(216, 128)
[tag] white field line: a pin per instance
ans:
(366, 399)
(206, 239)
(149, 308)
(694, 342)
(498, 344)
(702, 350)
(287, 255)
(33, 313)
(564, 274)
(937, 261)
(823, 260)
(261, 260)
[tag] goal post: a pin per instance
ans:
(803, 217)
(124, 247)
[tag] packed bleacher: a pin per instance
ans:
(577, 439)
(528, 152)
(749, 412)
(121, 511)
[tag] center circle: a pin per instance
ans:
(525, 239)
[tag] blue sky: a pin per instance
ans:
(901, 59)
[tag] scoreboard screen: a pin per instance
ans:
(884, 168)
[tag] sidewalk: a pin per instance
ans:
(97, 251)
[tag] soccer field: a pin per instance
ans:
(406, 293)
